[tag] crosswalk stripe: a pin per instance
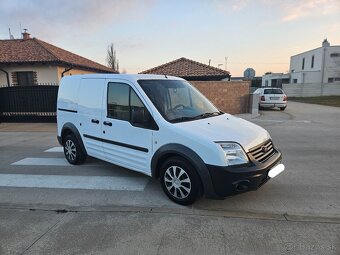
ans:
(42, 162)
(55, 149)
(73, 182)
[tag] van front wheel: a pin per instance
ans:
(72, 150)
(180, 181)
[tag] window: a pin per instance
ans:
(25, 78)
(273, 91)
(303, 63)
(122, 101)
(312, 64)
(118, 97)
(177, 100)
(266, 83)
(335, 55)
(333, 79)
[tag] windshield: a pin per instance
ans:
(177, 100)
(273, 91)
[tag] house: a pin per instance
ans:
(320, 65)
(30, 61)
(190, 70)
(275, 79)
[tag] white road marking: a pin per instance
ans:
(73, 182)
(42, 162)
(55, 149)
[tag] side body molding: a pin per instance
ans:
(174, 149)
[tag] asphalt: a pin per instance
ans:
(297, 212)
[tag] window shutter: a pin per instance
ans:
(35, 78)
(14, 78)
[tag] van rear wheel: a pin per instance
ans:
(73, 151)
(180, 181)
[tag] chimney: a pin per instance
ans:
(325, 43)
(25, 35)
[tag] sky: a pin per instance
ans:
(234, 35)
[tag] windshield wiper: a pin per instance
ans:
(207, 115)
(200, 116)
(180, 119)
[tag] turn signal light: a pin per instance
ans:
(285, 98)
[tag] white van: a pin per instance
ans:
(163, 127)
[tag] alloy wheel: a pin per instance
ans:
(177, 182)
(70, 150)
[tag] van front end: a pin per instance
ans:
(264, 163)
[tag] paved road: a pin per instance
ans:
(114, 209)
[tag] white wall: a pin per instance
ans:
(309, 74)
(311, 89)
(45, 73)
(332, 64)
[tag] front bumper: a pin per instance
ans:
(231, 180)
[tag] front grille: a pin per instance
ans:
(263, 152)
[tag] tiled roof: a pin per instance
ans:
(187, 68)
(33, 50)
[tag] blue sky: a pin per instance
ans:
(261, 34)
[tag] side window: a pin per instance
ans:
(122, 102)
(136, 104)
(118, 96)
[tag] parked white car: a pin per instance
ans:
(163, 127)
(271, 98)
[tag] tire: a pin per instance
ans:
(72, 150)
(180, 182)
(282, 108)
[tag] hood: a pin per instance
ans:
(227, 128)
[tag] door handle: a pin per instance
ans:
(107, 123)
(95, 121)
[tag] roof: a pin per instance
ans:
(128, 77)
(33, 50)
(189, 69)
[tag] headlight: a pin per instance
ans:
(234, 153)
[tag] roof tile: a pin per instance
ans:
(184, 67)
(34, 50)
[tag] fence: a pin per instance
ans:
(28, 103)
(311, 89)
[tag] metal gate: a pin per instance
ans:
(35, 103)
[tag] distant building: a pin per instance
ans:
(30, 61)
(320, 65)
(275, 79)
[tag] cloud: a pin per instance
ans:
(290, 9)
(47, 18)
(298, 9)
(239, 5)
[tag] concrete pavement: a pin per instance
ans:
(297, 212)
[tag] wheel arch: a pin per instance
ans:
(172, 150)
(70, 128)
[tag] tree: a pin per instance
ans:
(111, 58)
